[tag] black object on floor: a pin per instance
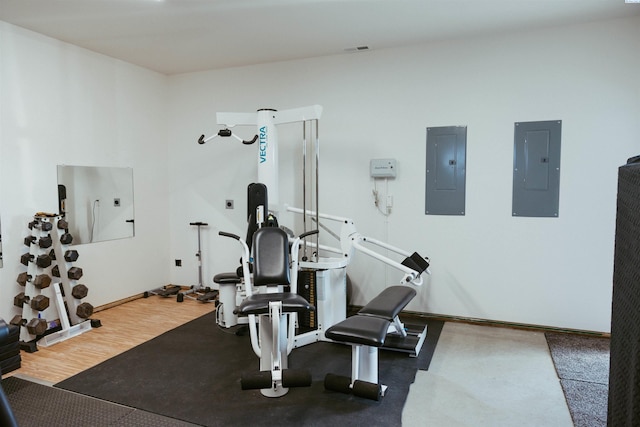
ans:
(193, 373)
(37, 405)
(624, 381)
(582, 364)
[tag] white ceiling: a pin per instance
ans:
(178, 36)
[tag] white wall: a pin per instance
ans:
(64, 105)
(486, 264)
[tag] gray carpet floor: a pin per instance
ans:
(37, 405)
(582, 364)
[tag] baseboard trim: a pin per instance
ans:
(129, 299)
(118, 302)
(494, 323)
(433, 316)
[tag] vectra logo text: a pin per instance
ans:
(263, 144)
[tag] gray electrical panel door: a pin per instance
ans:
(536, 168)
(446, 170)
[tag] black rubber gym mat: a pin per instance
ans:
(193, 373)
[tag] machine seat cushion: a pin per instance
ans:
(271, 257)
(366, 330)
(259, 303)
(389, 303)
(227, 278)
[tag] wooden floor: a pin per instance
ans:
(123, 327)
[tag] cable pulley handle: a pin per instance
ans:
(255, 138)
(226, 133)
(221, 132)
(308, 233)
(204, 224)
(225, 234)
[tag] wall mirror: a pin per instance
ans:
(97, 202)
(0, 245)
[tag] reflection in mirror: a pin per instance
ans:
(97, 202)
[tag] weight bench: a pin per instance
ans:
(366, 332)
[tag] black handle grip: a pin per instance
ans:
(201, 139)
(308, 233)
(225, 234)
(255, 138)
(198, 223)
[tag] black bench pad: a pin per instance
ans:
(366, 330)
(259, 303)
(227, 278)
(389, 303)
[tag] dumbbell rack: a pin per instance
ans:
(49, 258)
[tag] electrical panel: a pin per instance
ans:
(536, 168)
(445, 189)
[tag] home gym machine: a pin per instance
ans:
(321, 279)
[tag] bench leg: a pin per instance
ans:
(364, 363)
(364, 375)
(397, 327)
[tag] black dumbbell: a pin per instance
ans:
(43, 261)
(20, 299)
(37, 326)
(42, 281)
(74, 273)
(79, 291)
(84, 310)
(26, 258)
(18, 320)
(40, 302)
(45, 242)
(71, 255)
(23, 278)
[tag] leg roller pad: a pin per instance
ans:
(337, 383)
(367, 390)
(296, 378)
(258, 380)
